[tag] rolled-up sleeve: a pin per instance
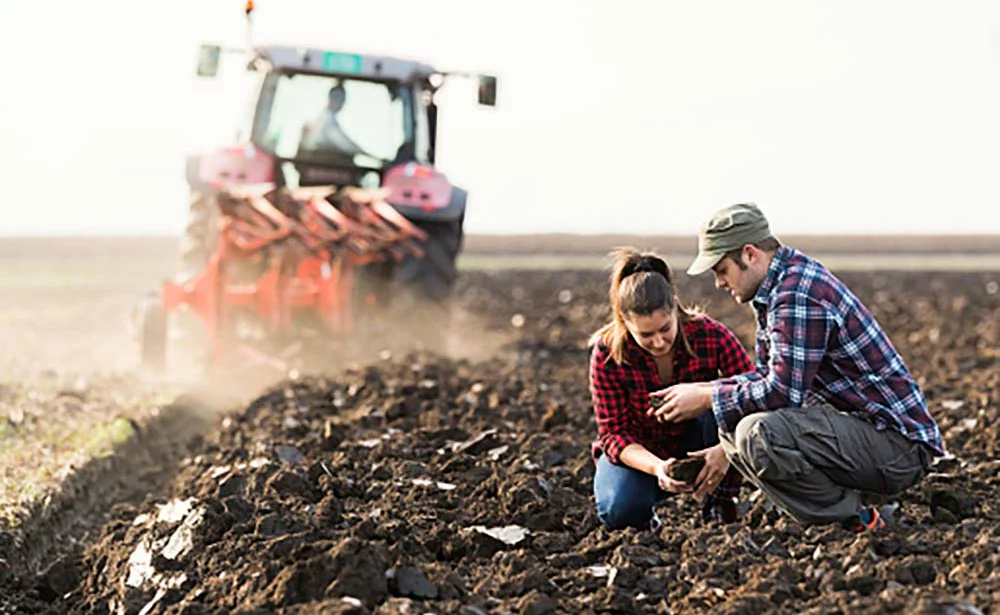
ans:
(610, 398)
(798, 331)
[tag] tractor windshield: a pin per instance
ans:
(335, 121)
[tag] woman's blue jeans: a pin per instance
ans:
(625, 496)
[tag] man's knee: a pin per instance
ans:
(618, 510)
(753, 437)
(748, 434)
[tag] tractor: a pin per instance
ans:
(337, 157)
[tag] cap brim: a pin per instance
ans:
(703, 263)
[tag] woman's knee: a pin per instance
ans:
(624, 496)
(618, 510)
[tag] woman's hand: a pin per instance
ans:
(668, 484)
(716, 466)
(680, 402)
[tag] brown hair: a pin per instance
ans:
(641, 283)
(767, 244)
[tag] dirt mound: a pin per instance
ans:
(421, 483)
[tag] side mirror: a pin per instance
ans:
(488, 90)
(208, 60)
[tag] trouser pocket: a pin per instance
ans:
(785, 444)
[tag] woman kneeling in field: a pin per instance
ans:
(651, 343)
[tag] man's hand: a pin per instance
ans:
(668, 484)
(716, 466)
(680, 402)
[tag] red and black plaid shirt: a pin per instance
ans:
(621, 392)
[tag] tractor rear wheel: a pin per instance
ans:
(423, 287)
(433, 277)
(407, 285)
(201, 233)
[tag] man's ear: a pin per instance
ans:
(750, 255)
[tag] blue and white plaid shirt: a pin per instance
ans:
(818, 344)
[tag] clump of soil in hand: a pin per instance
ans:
(686, 470)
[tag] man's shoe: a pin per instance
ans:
(868, 518)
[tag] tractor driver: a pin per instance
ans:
(325, 135)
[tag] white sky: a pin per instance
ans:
(629, 116)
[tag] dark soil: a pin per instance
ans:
(418, 483)
(48, 544)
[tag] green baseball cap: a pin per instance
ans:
(728, 229)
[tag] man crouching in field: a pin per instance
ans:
(831, 410)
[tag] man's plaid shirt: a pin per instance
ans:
(620, 393)
(817, 344)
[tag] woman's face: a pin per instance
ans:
(654, 333)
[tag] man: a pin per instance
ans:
(831, 410)
(325, 134)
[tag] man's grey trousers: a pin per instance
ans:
(813, 463)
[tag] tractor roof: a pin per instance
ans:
(342, 63)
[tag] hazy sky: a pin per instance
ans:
(627, 116)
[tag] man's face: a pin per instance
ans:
(741, 282)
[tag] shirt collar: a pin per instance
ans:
(774, 272)
(632, 348)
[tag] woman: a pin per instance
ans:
(652, 342)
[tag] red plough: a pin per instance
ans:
(282, 256)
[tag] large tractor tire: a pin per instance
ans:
(433, 277)
(201, 233)
(389, 291)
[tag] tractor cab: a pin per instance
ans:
(324, 117)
